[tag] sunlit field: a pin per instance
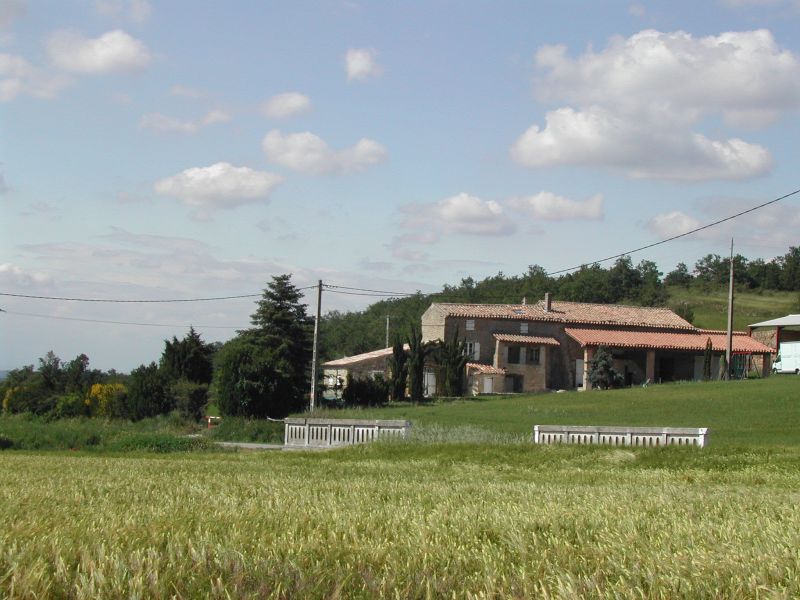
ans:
(467, 507)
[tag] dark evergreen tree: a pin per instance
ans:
(602, 373)
(451, 357)
(190, 358)
(707, 360)
(149, 392)
(264, 371)
(418, 353)
(398, 372)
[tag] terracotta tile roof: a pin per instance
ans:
(349, 361)
(666, 340)
(486, 369)
(526, 339)
(572, 312)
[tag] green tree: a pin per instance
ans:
(190, 358)
(451, 357)
(418, 353)
(651, 290)
(707, 360)
(398, 372)
(679, 276)
(149, 392)
(601, 370)
(264, 370)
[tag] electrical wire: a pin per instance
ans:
(123, 301)
(675, 237)
(344, 287)
(354, 291)
(173, 325)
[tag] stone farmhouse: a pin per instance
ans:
(547, 345)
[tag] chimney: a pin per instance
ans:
(547, 305)
(524, 300)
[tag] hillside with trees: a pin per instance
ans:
(698, 294)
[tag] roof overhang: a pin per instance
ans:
(531, 340)
(787, 321)
(666, 340)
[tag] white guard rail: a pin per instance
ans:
(620, 436)
(340, 432)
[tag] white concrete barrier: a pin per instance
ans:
(340, 432)
(620, 436)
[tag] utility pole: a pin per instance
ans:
(387, 331)
(729, 341)
(316, 345)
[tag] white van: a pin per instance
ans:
(788, 360)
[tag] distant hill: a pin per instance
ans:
(711, 307)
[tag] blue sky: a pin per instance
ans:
(190, 149)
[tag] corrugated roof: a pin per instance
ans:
(572, 312)
(487, 369)
(526, 339)
(349, 361)
(787, 321)
(666, 340)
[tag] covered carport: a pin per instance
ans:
(660, 356)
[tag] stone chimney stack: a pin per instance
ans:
(524, 300)
(547, 305)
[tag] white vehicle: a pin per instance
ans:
(788, 360)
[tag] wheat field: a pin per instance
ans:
(403, 521)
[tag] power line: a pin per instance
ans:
(123, 301)
(344, 287)
(680, 235)
(173, 325)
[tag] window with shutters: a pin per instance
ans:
(523, 328)
(532, 355)
(473, 350)
(470, 324)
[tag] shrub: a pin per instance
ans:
(70, 405)
(601, 371)
(190, 398)
(365, 391)
(159, 442)
(107, 400)
(5, 443)
(149, 393)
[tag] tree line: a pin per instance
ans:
(643, 284)
(262, 371)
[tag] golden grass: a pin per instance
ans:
(402, 521)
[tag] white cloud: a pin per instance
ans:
(673, 223)
(548, 206)
(676, 72)
(186, 92)
(19, 77)
(219, 186)
(137, 11)
(310, 154)
(361, 63)
(111, 52)
(11, 10)
(642, 149)
(636, 104)
(18, 278)
(461, 213)
(637, 10)
(286, 105)
(164, 124)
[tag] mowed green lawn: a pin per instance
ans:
(498, 518)
(760, 412)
